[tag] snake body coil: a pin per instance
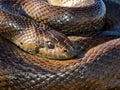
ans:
(69, 20)
(35, 38)
(97, 65)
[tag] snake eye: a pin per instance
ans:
(50, 44)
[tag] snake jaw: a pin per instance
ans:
(56, 53)
(59, 52)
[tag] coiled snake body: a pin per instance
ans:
(96, 67)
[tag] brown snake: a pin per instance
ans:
(36, 38)
(96, 68)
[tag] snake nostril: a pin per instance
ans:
(65, 50)
(21, 43)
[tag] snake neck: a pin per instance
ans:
(72, 3)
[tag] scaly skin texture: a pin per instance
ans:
(69, 20)
(35, 38)
(97, 66)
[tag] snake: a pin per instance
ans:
(96, 66)
(41, 45)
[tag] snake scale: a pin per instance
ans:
(95, 68)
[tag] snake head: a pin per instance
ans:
(55, 45)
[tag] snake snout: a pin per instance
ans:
(70, 54)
